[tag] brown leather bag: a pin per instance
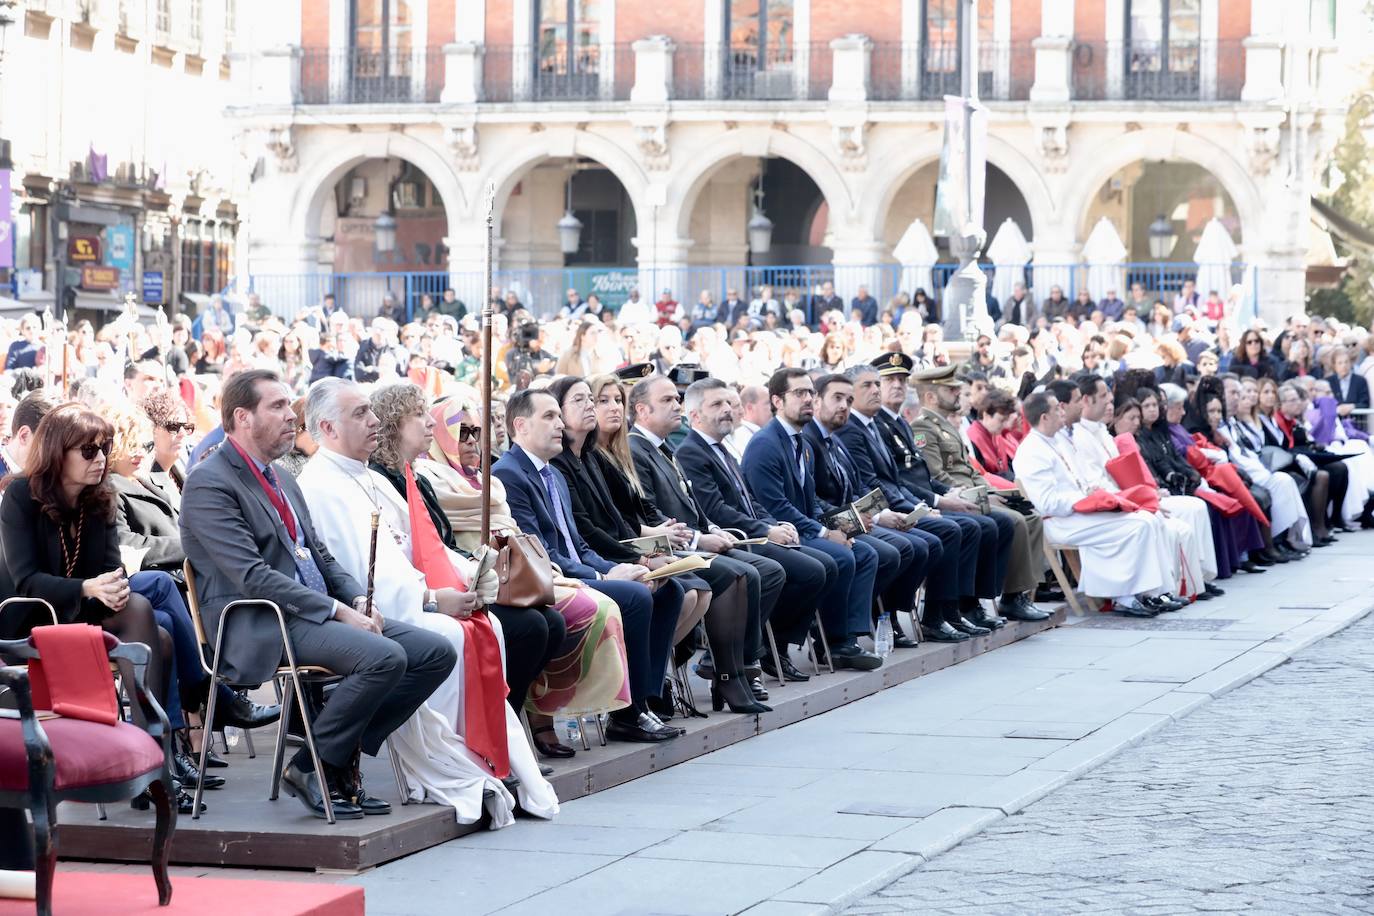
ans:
(524, 570)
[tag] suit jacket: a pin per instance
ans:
(532, 511)
(876, 467)
(912, 468)
(835, 473)
(1359, 391)
(1028, 311)
(239, 548)
(720, 497)
(169, 482)
(33, 555)
(770, 470)
(868, 309)
(734, 309)
(667, 492)
(594, 510)
(145, 519)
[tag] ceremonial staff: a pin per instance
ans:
(486, 364)
(372, 563)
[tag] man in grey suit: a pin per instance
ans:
(248, 534)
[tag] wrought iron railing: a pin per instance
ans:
(1193, 71)
(357, 76)
(588, 74)
(908, 71)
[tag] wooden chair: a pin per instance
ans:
(292, 678)
(1052, 552)
(52, 760)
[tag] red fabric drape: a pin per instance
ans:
(1232, 495)
(484, 682)
(72, 676)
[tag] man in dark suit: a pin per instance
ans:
(1347, 387)
(823, 302)
(540, 504)
(864, 306)
(718, 485)
(25, 419)
(904, 556)
(247, 531)
(780, 468)
(656, 408)
(733, 308)
(970, 547)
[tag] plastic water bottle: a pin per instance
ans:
(232, 736)
(572, 731)
(882, 637)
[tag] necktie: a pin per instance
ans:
(837, 468)
(801, 462)
(879, 450)
(733, 469)
(306, 569)
(559, 514)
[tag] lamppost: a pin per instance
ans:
(965, 306)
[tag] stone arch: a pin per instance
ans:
(1105, 160)
(316, 182)
(552, 143)
(751, 142)
(884, 186)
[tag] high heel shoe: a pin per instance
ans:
(730, 690)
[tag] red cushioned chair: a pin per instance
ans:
(62, 759)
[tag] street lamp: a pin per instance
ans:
(384, 229)
(760, 227)
(569, 227)
(1162, 238)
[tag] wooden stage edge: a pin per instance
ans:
(242, 828)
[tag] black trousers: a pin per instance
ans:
(805, 581)
(534, 637)
(1335, 467)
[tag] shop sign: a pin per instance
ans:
(84, 249)
(98, 276)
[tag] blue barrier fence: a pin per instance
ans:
(543, 291)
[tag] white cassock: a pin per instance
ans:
(1194, 553)
(1286, 510)
(342, 494)
(1123, 554)
(1359, 463)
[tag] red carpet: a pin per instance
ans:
(81, 893)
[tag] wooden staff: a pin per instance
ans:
(486, 362)
(372, 563)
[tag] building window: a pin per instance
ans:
(759, 36)
(163, 23)
(231, 13)
(1163, 49)
(381, 59)
(940, 48)
(567, 43)
(194, 27)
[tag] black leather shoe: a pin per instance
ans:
(661, 706)
(942, 632)
(756, 687)
(902, 641)
(306, 787)
(789, 670)
(213, 761)
(964, 625)
(545, 770)
(643, 728)
(369, 803)
(244, 713)
(1134, 610)
(187, 771)
(184, 800)
(981, 618)
(1048, 594)
(1250, 567)
(852, 657)
(677, 732)
(1022, 609)
(1212, 590)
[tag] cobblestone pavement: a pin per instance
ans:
(1260, 802)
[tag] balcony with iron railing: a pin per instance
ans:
(354, 76)
(1152, 71)
(910, 72)
(589, 74)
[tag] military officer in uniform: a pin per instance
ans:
(932, 449)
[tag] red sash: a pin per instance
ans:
(274, 496)
(484, 682)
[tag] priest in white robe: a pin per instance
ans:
(1123, 557)
(343, 493)
(1192, 553)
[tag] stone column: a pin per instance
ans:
(1053, 52)
(850, 68)
(653, 83)
(462, 73)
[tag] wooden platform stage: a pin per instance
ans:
(241, 827)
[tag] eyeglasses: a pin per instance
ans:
(91, 449)
(469, 433)
(175, 428)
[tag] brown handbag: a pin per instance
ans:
(524, 571)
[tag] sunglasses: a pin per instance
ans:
(469, 433)
(91, 449)
(175, 428)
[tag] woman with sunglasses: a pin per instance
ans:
(1250, 359)
(172, 426)
(61, 544)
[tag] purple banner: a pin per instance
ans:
(6, 227)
